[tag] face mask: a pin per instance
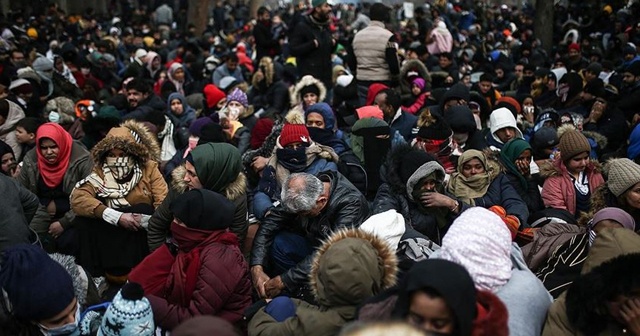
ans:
(233, 114)
(67, 329)
(193, 142)
(85, 71)
(54, 117)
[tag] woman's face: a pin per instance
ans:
(524, 158)
(430, 313)
(176, 107)
(49, 150)
(527, 101)
(632, 196)
(310, 98)
(472, 167)
(416, 90)
(429, 185)
(155, 64)
(578, 163)
(178, 75)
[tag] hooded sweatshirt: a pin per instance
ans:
(499, 119)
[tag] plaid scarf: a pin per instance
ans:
(109, 188)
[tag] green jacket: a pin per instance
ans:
(350, 267)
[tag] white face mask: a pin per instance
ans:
(67, 329)
(85, 71)
(54, 117)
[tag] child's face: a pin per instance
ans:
(415, 90)
(23, 136)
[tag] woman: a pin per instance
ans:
(565, 264)
(306, 92)
(51, 170)
(572, 178)
(176, 75)
(115, 201)
(479, 182)
(622, 189)
(180, 113)
(294, 153)
(202, 271)
(480, 241)
(154, 64)
(237, 120)
(439, 296)
(516, 157)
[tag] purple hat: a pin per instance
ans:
(419, 82)
(198, 124)
(615, 214)
(238, 96)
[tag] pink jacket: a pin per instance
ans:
(558, 191)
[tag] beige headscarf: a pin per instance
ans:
(468, 188)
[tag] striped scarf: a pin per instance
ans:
(108, 188)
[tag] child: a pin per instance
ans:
(26, 134)
(419, 96)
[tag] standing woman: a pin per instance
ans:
(115, 201)
(51, 170)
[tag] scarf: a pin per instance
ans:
(468, 188)
(581, 183)
(168, 149)
(510, 153)
(442, 149)
(295, 163)
(294, 160)
(109, 188)
(53, 173)
(326, 137)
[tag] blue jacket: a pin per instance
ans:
(502, 193)
(404, 123)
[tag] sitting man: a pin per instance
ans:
(312, 208)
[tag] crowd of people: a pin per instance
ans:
(320, 169)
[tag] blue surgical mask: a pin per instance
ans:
(70, 329)
(54, 117)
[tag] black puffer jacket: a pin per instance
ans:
(347, 207)
(312, 60)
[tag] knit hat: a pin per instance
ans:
(196, 126)
(623, 174)
(511, 221)
(370, 111)
(629, 49)
(128, 314)
(633, 68)
(239, 96)
(617, 215)
(438, 130)
(203, 209)
(294, 133)
(325, 110)
(38, 288)
(460, 119)
(573, 143)
(140, 54)
(211, 132)
(213, 95)
(412, 160)
(510, 103)
(574, 46)
(419, 82)
(595, 87)
(312, 88)
(260, 132)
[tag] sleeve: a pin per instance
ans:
(385, 200)
(266, 232)
(262, 324)
(29, 201)
(352, 61)
(240, 219)
(552, 194)
(244, 139)
(391, 56)
(159, 223)
(512, 203)
(159, 187)
(301, 44)
(217, 76)
(85, 166)
(84, 202)
(352, 212)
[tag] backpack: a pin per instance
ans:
(416, 249)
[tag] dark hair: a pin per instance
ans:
(233, 57)
(380, 12)
(140, 85)
(486, 77)
(157, 118)
(393, 98)
(29, 124)
(4, 108)
(262, 10)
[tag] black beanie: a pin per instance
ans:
(313, 88)
(203, 209)
(211, 132)
(595, 87)
(411, 161)
(439, 130)
(38, 287)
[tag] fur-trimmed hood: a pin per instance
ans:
(351, 266)
(557, 168)
(132, 137)
(234, 190)
(294, 91)
(417, 66)
(599, 139)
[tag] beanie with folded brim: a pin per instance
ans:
(573, 143)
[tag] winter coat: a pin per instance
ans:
(338, 287)
(296, 97)
(609, 244)
(602, 198)
(559, 192)
(612, 126)
(80, 166)
(421, 71)
(266, 45)
(151, 189)
(502, 193)
(222, 287)
(531, 196)
(312, 60)
(346, 207)
(18, 208)
(8, 129)
(161, 219)
(152, 104)
(546, 240)
(404, 123)
(565, 264)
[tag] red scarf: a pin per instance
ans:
(53, 173)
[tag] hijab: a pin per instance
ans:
(217, 165)
(468, 188)
(53, 173)
(510, 153)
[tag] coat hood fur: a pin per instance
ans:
(343, 271)
(557, 168)
(294, 92)
(234, 190)
(600, 139)
(145, 147)
(417, 66)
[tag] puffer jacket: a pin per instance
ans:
(339, 285)
(80, 166)
(546, 240)
(222, 287)
(558, 191)
(312, 60)
(347, 207)
(161, 219)
(609, 244)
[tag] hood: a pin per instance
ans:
(422, 172)
(132, 137)
(388, 225)
(459, 91)
(460, 119)
(187, 111)
(407, 70)
(350, 267)
(294, 92)
(14, 115)
(492, 316)
(394, 163)
(502, 118)
(232, 192)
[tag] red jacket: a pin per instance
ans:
(208, 276)
(558, 191)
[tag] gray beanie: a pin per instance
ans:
(42, 64)
(422, 172)
(623, 174)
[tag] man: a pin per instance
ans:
(447, 64)
(142, 101)
(630, 93)
(375, 51)
(503, 128)
(603, 118)
(592, 72)
(402, 122)
(138, 67)
(312, 208)
(17, 211)
(312, 45)
(266, 45)
(229, 68)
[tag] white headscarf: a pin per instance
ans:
(481, 242)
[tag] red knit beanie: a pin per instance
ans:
(511, 221)
(294, 133)
(260, 132)
(213, 95)
(574, 46)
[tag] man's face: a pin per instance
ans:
(444, 62)
(8, 163)
(519, 70)
(323, 11)
(134, 97)
(588, 75)
(265, 17)
(574, 54)
(484, 86)
(381, 101)
(17, 59)
(232, 65)
(628, 78)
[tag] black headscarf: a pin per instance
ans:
(4, 149)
